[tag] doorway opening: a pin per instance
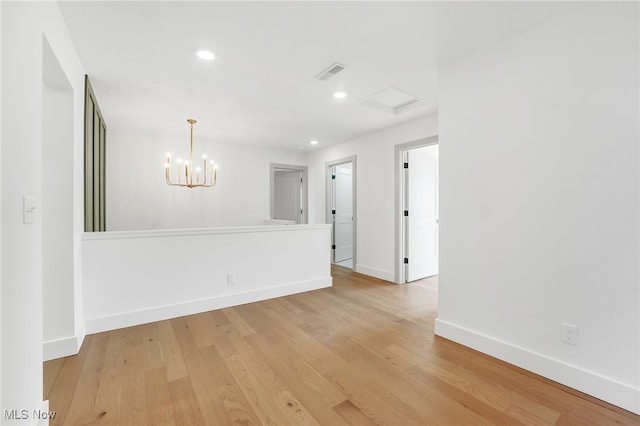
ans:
(341, 210)
(59, 311)
(288, 193)
(417, 210)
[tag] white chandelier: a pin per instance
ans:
(187, 175)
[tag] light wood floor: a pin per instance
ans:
(362, 352)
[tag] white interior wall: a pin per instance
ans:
(1, 221)
(139, 199)
(167, 274)
(57, 214)
(375, 191)
(540, 201)
(23, 27)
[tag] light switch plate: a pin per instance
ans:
(28, 209)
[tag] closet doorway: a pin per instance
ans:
(417, 201)
(288, 193)
(341, 212)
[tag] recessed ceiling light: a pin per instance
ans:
(205, 54)
(313, 142)
(340, 95)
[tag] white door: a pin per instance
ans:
(421, 213)
(287, 195)
(343, 212)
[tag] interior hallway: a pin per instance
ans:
(361, 352)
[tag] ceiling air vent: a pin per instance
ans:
(330, 72)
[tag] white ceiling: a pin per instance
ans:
(260, 89)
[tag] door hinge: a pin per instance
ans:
(333, 176)
(406, 165)
(406, 260)
(333, 211)
(333, 247)
(406, 212)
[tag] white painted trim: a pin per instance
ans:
(59, 348)
(81, 333)
(43, 420)
(159, 313)
(377, 273)
(195, 231)
(621, 394)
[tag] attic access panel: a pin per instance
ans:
(393, 101)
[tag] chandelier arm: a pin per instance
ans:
(167, 175)
(204, 169)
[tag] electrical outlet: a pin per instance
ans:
(231, 278)
(570, 334)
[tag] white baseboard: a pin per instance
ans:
(591, 383)
(376, 273)
(59, 348)
(159, 313)
(41, 418)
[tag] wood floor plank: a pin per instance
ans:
(133, 402)
(153, 354)
(237, 407)
(266, 406)
(373, 405)
(361, 352)
(398, 382)
(203, 328)
(187, 345)
(511, 398)
(79, 375)
(295, 411)
(186, 410)
(528, 418)
(82, 408)
(171, 354)
(312, 390)
(240, 325)
(483, 405)
(206, 390)
(108, 398)
(353, 415)
(50, 371)
(453, 412)
(573, 406)
(158, 398)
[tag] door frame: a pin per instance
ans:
(399, 150)
(304, 201)
(328, 192)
